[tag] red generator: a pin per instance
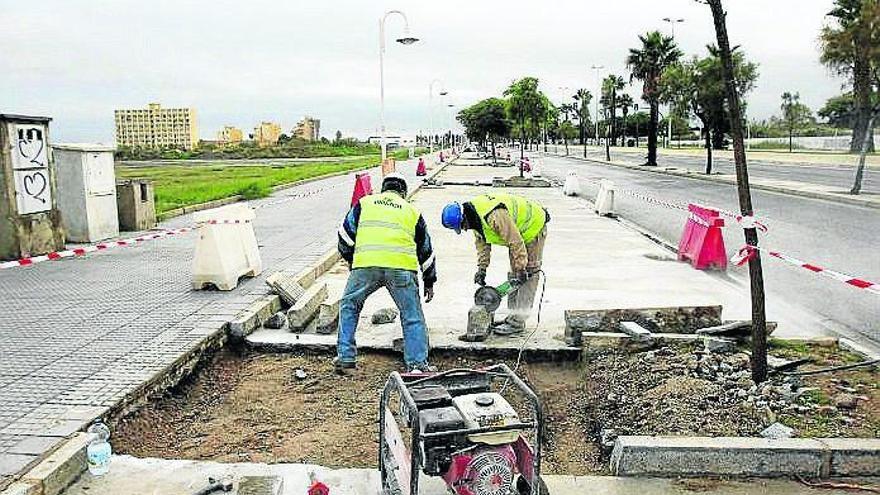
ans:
(457, 425)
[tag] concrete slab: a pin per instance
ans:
(725, 456)
(590, 262)
(133, 476)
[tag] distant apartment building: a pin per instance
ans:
(230, 135)
(157, 127)
(308, 128)
(267, 134)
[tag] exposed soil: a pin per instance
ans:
(253, 407)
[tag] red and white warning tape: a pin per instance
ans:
(748, 252)
(746, 222)
(133, 241)
(101, 246)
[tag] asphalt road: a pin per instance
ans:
(830, 175)
(836, 236)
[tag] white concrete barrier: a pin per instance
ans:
(572, 185)
(605, 198)
(225, 252)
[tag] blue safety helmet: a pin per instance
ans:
(452, 216)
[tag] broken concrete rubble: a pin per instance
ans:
(685, 319)
(384, 316)
(305, 309)
(636, 331)
(276, 321)
(286, 286)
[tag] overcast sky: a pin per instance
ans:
(239, 62)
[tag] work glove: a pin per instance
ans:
(429, 294)
(480, 277)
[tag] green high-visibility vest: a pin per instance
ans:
(386, 233)
(527, 214)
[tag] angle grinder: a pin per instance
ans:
(490, 297)
(480, 317)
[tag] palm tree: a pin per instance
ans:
(847, 47)
(583, 97)
(625, 103)
(647, 65)
(611, 86)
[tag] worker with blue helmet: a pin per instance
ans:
(509, 220)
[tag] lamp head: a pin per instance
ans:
(444, 93)
(407, 40)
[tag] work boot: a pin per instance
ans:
(343, 367)
(420, 368)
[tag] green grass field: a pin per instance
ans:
(185, 185)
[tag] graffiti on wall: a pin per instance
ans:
(30, 165)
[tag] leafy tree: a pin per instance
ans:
(611, 86)
(566, 128)
(338, 136)
(486, 120)
(526, 106)
(696, 87)
(850, 45)
(647, 64)
(795, 114)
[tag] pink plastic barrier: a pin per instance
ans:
(421, 171)
(362, 187)
(702, 242)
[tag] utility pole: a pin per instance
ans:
(597, 68)
(756, 276)
(672, 22)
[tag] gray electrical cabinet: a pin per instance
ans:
(30, 223)
(86, 191)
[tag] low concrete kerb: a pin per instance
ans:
(745, 456)
(834, 197)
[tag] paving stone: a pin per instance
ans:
(11, 464)
(35, 445)
(137, 316)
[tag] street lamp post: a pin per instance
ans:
(672, 22)
(449, 107)
(405, 40)
(597, 68)
(442, 92)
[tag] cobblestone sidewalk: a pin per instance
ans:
(79, 335)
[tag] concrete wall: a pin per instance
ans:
(31, 234)
(136, 204)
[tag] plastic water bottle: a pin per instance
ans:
(98, 451)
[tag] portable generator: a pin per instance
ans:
(455, 426)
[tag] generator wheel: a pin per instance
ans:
(523, 488)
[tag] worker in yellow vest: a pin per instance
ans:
(385, 241)
(513, 221)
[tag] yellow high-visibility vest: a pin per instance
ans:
(527, 214)
(386, 233)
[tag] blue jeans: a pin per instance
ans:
(404, 289)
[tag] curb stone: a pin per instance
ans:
(745, 456)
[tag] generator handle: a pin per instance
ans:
(396, 381)
(539, 415)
